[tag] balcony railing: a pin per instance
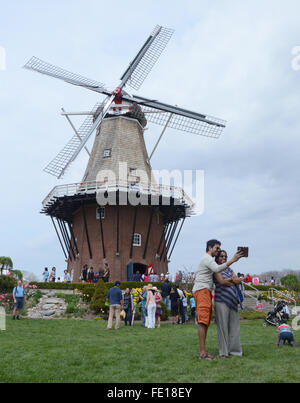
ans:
(121, 185)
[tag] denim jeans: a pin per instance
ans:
(144, 314)
(167, 302)
(128, 317)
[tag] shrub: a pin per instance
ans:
(36, 296)
(99, 298)
(72, 308)
(7, 284)
(165, 313)
(7, 302)
(290, 281)
(263, 287)
(69, 298)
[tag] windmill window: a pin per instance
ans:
(137, 240)
(100, 212)
(107, 152)
(132, 171)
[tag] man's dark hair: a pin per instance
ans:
(212, 243)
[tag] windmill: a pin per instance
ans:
(131, 235)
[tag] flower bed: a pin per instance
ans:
(7, 301)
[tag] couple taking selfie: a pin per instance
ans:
(214, 268)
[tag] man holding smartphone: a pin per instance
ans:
(203, 287)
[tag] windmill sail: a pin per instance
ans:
(146, 58)
(182, 119)
(58, 166)
(48, 69)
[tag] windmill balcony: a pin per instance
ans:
(81, 188)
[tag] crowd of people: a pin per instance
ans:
(149, 304)
(51, 276)
(88, 275)
(216, 286)
(255, 280)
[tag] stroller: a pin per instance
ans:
(275, 317)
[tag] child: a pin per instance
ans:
(259, 304)
(285, 333)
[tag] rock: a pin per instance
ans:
(48, 313)
(55, 301)
(48, 306)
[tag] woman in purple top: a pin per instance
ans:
(226, 310)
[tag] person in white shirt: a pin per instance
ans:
(203, 287)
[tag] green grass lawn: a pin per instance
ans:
(33, 350)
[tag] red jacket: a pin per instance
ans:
(248, 279)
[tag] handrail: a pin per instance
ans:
(248, 293)
(94, 186)
(288, 297)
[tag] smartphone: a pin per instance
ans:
(244, 249)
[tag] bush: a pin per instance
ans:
(7, 302)
(36, 297)
(263, 287)
(99, 298)
(72, 300)
(61, 286)
(290, 281)
(7, 284)
(69, 298)
(165, 312)
(72, 308)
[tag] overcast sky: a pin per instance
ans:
(230, 59)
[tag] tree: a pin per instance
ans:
(7, 284)
(5, 264)
(289, 281)
(17, 274)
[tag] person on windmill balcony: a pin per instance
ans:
(106, 273)
(52, 276)
(45, 275)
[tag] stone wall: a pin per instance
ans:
(49, 305)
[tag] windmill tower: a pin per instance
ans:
(117, 213)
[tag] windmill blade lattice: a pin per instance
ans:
(181, 119)
(143, 63)
(186, 124)
(58, 166)
(48, 69)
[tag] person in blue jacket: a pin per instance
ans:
(19, 293)
(115, 299)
